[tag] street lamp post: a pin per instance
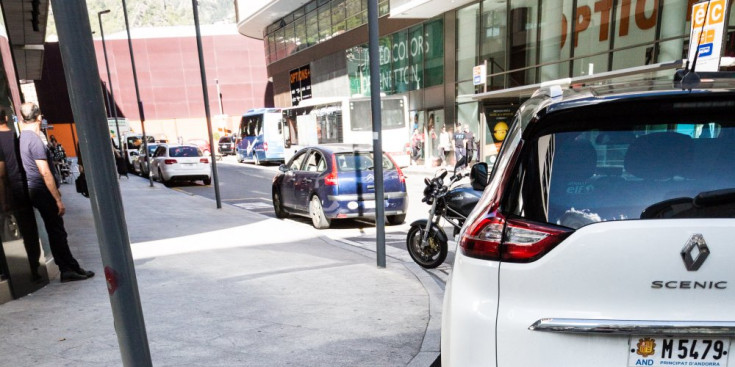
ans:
(137, 95)
(112, 104)
(206, 104)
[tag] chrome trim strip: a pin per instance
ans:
(366, 197)
(635, 327)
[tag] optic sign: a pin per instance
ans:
(479, 75)
(707, 29)
(300, 84)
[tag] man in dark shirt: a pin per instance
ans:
(44, 193)
(460, 141)
(16, 201)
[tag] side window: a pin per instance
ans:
(296, 162)
(322, 164)
(159, 151)
(316, 162)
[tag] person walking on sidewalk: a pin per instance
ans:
(16, 201)
(44, 193)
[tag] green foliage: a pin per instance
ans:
(153, 13)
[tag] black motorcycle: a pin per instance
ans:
(426, 240)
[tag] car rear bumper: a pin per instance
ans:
(363, 206)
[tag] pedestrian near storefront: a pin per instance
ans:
(460, 143)
(15, 200)
(44, 193)
(469, 137)
(445, 145)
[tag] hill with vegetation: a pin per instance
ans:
(153, 13)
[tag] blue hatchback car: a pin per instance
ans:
(336, 181)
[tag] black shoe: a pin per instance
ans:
(72, 276)
(87, 273)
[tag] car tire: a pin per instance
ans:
(395, 220)
(239, 159)
(207, 181)
(316, 213)
(281, 213)
(256, 161)
(165, 182)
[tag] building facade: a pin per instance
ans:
(429, 51)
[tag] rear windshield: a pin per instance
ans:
(350, 162)
(225, 139)
(184, 152)
(682, 169)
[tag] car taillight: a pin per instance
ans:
(169, 161)
(331, 179)
(203, 160)
(401, 177)
(265, 146)
(494, 237)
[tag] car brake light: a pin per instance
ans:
(204, 160)
(169, 161)
(331, 179)
(401, 177)
(265, 146)
(512, 240)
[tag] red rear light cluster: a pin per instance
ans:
(203, 160)
(169, 161)
(401, 177)
(494, 237)
(331, 179)
(265, 146)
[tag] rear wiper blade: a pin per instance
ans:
(715, 197)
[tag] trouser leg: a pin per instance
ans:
(54, 224)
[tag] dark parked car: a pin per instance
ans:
(337, 181)
(227, 145)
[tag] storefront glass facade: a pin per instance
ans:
(314, 23)
(411, 59)
(532, 41)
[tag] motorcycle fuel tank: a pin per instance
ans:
(462, 199)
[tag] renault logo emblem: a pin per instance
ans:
(695, 252)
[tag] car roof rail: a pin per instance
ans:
(552, 88)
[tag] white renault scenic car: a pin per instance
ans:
(606, 236)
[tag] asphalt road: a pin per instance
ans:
(248, 186)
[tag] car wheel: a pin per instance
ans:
(316, 212)
(256, 161)
(165, 182)
(278, 205)
(207, 181)
(395, 220)
(239, 159)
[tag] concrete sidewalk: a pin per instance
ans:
(227, 287)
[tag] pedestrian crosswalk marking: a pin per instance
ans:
(252, 206)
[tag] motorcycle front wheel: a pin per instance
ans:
(430, 255)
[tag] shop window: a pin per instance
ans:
(338, 17)
(493, 40)
(467, 41)
(416, 49)
(325, 23)
(434, 53)
(312, 28)
(554, 44)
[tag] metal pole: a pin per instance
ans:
(113, 105)
(206, 104)
(377, 130)
(82, 77)
(219, 98)
(137, 96)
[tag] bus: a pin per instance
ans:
(261, 137)
(347, 120)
